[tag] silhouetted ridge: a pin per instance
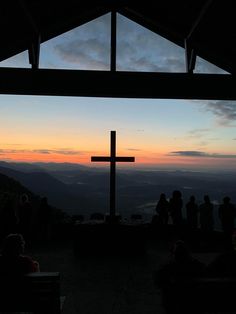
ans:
(61, 195)
(11, 185)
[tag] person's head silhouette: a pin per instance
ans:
(176, 194)
(162, 197)
(24, 198)
(13, 245)
(226, 200)
(180, 251)
(207, 199)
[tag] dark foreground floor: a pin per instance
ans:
(108, 284)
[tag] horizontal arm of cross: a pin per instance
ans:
(110, 159)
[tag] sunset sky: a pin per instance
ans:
(166, 133)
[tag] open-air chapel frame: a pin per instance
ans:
(205, 28)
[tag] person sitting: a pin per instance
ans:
(13, 266)
(12, 260)
(181, 265)
(171, 277)
(223, 265)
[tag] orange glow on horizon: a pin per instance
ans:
(157, 160)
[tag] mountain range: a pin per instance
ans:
(78, 189)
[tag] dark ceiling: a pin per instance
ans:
(208, 26)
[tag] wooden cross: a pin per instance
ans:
(112, 159)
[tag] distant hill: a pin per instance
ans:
(71, 198)
(42, 166)
(80, 189)
(65, 166)
(12, 186)
(11, 191)
(21, 166)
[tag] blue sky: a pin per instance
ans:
(181, 133)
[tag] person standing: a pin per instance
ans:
(25, 216)
(226, 215)
(192, 213)
(162, 209)
(45, 219)
(206, 215)
(176, 205)
(8, 217)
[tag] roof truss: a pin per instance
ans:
(117, 84)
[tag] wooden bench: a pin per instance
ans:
(201, 295)
(34, 292)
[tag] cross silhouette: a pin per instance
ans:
(112, 159)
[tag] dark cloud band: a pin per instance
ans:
(193, 153)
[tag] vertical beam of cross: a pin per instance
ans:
(112, 159)
(113, 174)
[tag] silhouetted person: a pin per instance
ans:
(226, 214)
(224, 265)
(8, 217)
(181, 264)
(13, 266)
(176, 204)
(206, 215)
(181, 267)
(25, 216)
(162, 209)
(45, 219)
(13, 262)
(192, 213)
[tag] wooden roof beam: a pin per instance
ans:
(190, 57)
(199, 18)
(117, 84)
(34, 47)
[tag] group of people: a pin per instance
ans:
(196, 215)
(19, 215)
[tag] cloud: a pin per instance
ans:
(138, 49)
(57, 151)
(203, 143)
(194, 153)
(191, 153)
(88, 54)
(198, 133)
(12, 151)
(203, 66)
(89, 48)
(225, 111)
(134, 149)
(67, 152)
(41, 151)
(86, 47)
(19, 60)
(11, 144)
